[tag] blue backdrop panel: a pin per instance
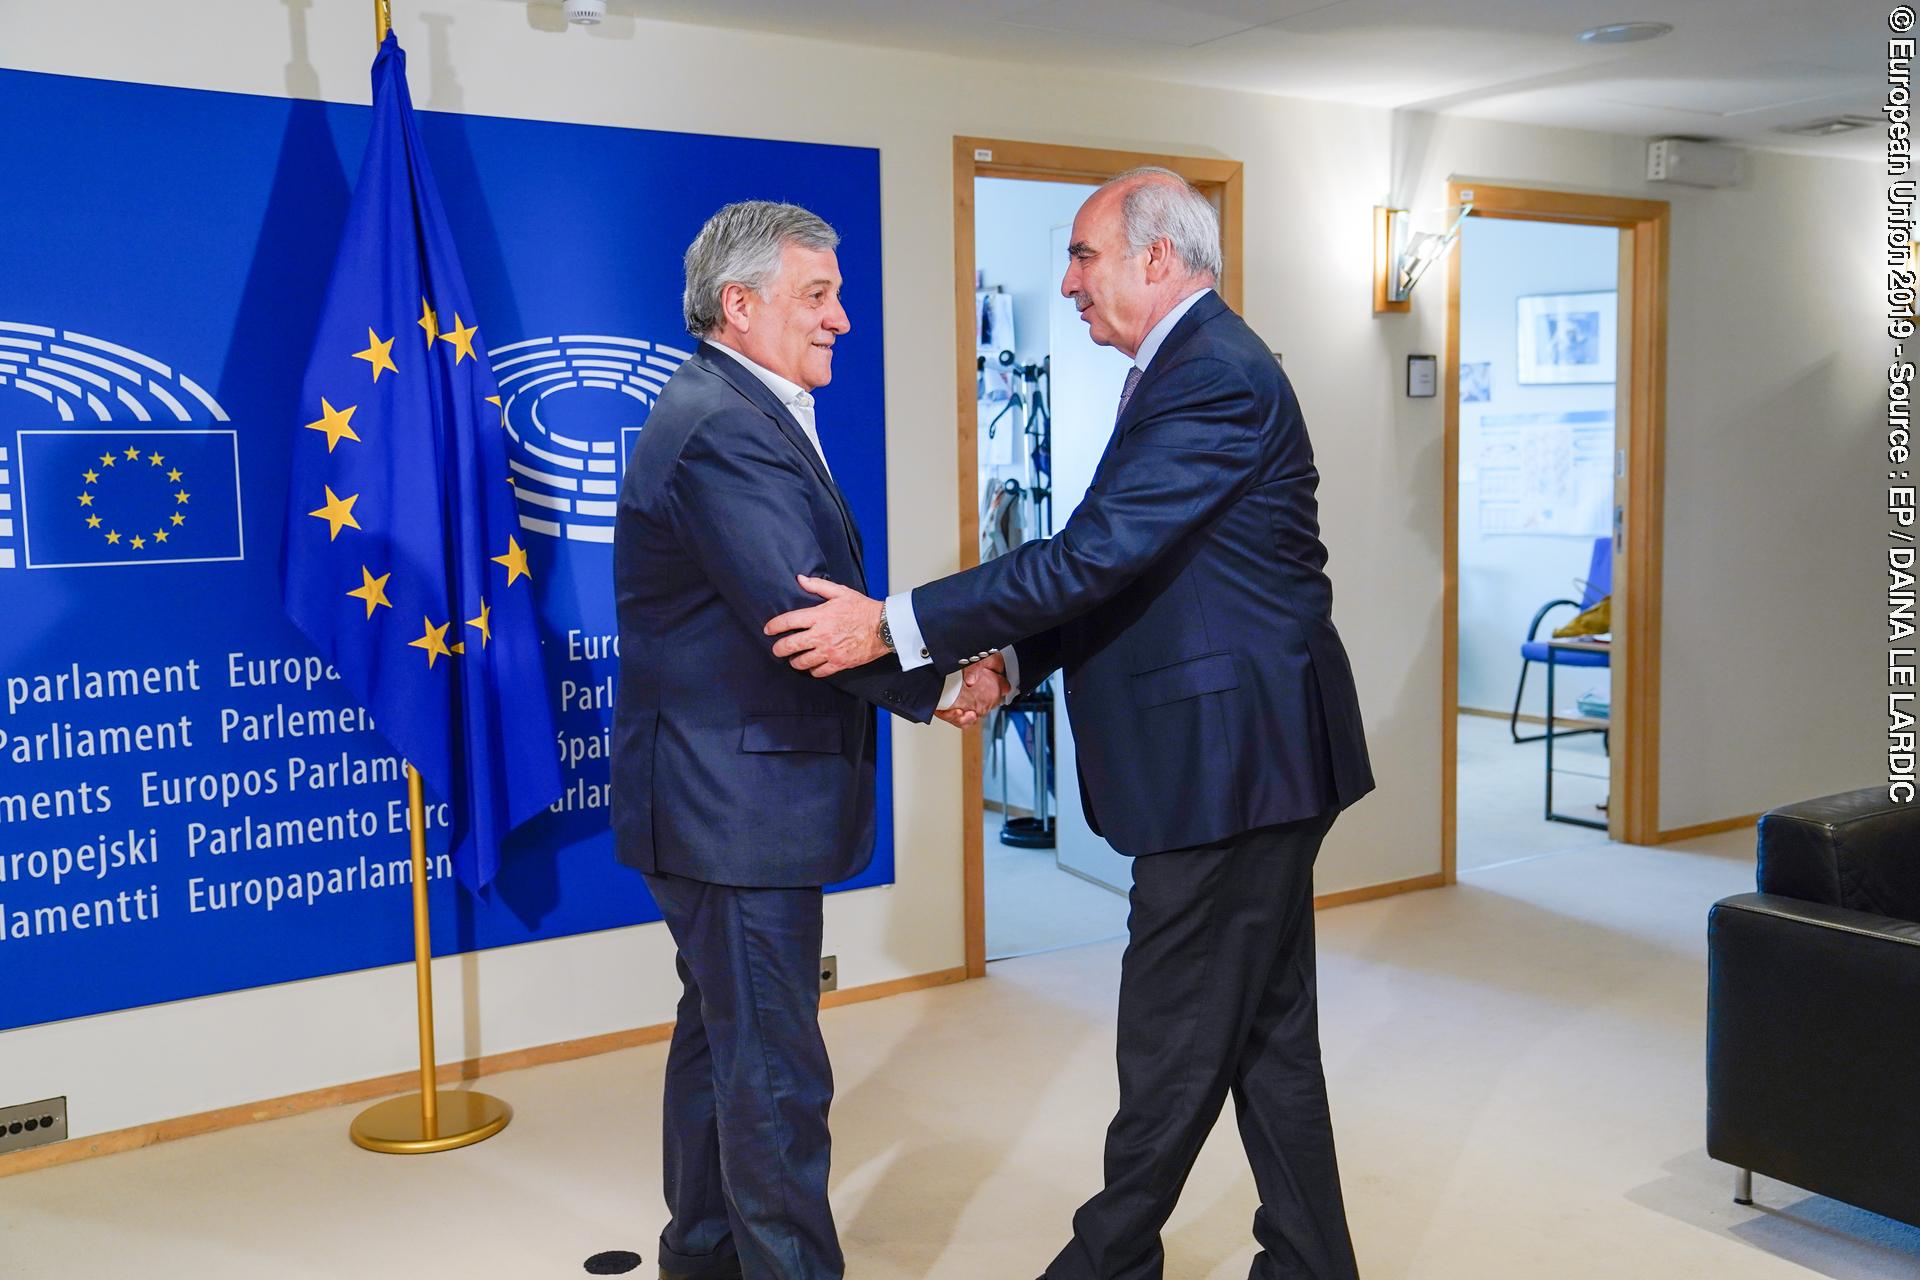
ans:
(188, 803)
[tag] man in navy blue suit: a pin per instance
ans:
(1215, 718)
(740, 786)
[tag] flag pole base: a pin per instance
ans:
(395, 1127)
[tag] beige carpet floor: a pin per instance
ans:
(1516, 1069)
(1034, 906)
(1500, 789)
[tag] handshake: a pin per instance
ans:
(843, 632)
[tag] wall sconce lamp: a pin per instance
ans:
(1401, 255)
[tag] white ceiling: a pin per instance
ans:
(1733, 69)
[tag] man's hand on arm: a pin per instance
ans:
(844, 632)
(841, 632)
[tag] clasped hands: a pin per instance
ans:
(843, 632)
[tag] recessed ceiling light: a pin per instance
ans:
(1625, 33)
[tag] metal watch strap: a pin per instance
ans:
(886, 632)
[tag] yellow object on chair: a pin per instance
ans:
(1594, 621)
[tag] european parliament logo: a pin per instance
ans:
(572, 407)
(96, 495)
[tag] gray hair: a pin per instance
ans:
(742, 244)
(1158, 202)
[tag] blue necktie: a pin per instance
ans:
(1126, 392)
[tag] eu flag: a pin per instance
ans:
(130, 495)
(402, 561)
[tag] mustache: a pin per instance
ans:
(1081, 301)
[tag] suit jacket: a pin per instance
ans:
(728, 765)
(1187, 601)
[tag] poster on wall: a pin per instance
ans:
(1567, 338)
(1546, 473)
(189, 803)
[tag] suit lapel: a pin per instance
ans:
(1198, 314)
(1183, 330)
(1176, 338)
(763, 399)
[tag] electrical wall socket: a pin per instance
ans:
(829, 973)
(33, 1124)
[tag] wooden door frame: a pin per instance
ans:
(1633, 815)
(1045, 162)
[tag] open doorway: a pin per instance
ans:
(1050, 882)
(1555, 371)
(1035, 408)
(1539, 368)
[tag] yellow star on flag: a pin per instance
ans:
(483, 624)
(90, 475)
(459, 646)
(433, 640)
(338, 513)
(515, 560)
(181, 497)
(378, 354)
(133, 453)
(174, 475)
(112, 536)
(86, 499)
(495, 402)
(106, 459)
(372, 590)
(428, 322)
(93, 522)
(138, 542)
(337, 423)
(159, 535)
(461, 339)
(155, 459)
(177, 518)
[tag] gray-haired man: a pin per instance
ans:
(741, 786)
(1187, 604)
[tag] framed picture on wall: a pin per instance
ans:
(1476, 382)
(1567, 337)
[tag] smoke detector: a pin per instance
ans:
(585, 13)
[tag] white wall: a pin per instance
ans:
(1771, 690)
(1505, 577)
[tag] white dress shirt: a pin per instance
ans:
(908, 640)
(799, 402)
(797, 399)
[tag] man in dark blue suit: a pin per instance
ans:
(740, 786)
(1215, 718)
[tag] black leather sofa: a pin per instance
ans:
(1813, 1007)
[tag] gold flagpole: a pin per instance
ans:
(416, 1123)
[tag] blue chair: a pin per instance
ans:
(1599, 584)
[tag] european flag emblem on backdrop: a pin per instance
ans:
(129, 496)
(402, 560)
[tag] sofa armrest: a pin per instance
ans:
(1813, 1048)
(1855, 849)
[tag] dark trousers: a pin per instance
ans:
(748, 1085)
(1217, 997)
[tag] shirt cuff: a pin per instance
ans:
(1011, 657)
(950, 691)
(908, 644)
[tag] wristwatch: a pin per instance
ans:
(886, 632)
